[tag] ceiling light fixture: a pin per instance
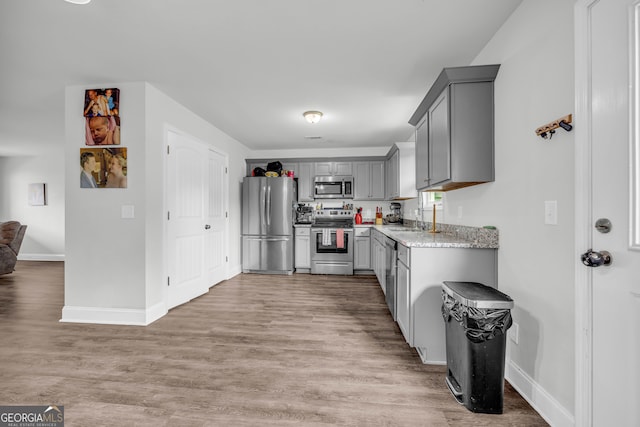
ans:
(78, 1)
(312, 116)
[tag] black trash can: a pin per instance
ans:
(476, 318)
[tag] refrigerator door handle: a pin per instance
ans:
(268, 206)
(261, 210)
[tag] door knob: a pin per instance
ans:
(592, 258)
(206, 227)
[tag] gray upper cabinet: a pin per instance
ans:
(305, 174)
(455, 130)
(368, 172)
(400, 173)
(334, 168)
(368, 180)
(422, 154)
(391, 180)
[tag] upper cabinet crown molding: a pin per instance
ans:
(476, 73)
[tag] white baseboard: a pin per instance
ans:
(41, 257)
(234, 271)
(548, 407)
(113, 316)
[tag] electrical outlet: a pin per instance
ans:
(513, 332)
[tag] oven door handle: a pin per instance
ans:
(341, 263)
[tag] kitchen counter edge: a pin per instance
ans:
(450, 236)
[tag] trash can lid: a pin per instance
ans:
(477, 295)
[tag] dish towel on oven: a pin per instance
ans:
(326, 237)
(340, 238)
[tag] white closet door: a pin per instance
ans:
(187, 196)
(216, 239)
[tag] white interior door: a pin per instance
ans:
(216, 238)
(187, 199)
(608, 297)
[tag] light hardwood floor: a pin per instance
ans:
(256, 350)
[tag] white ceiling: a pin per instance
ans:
(249, 67)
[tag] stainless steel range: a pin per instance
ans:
(332, 242)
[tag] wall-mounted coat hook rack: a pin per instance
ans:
(549, 129)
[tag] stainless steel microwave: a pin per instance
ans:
(333, 187)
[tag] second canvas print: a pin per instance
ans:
(102, 130)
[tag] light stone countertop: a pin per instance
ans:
(451, 236)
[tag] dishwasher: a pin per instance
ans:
(391, 251)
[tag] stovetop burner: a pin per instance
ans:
(332, 218)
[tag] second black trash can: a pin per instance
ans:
(476, 321)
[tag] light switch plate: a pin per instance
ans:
(127, 212)
(551, 212)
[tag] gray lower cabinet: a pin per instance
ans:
(362, 249)
(455, 130)
(403, 291)
(369, 177)
(378, 258)
(302, 249)
(420, 290)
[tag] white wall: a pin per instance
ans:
(44, 239)
(162, 111)
(105, 255)
(114, 269)
(535, 85)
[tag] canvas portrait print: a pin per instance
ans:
(101, 130)
(102, 102)
(103, 167)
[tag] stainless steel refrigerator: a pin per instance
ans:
(267, 225)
